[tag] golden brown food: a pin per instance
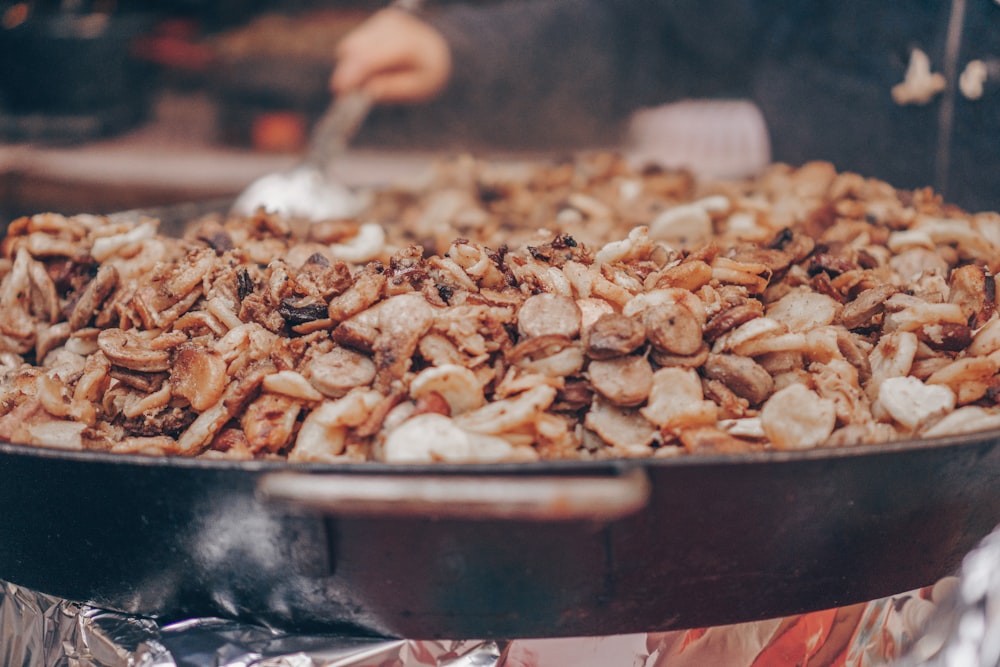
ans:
(584, 309)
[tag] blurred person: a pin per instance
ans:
(904, 91)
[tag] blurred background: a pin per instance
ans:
(113, 104)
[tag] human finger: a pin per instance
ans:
(395, 57)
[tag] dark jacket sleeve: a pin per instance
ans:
(547, 73)
(568, 74)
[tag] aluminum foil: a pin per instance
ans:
(965, 629)
(38, 630)
(955, 623)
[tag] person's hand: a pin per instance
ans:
(394, 57)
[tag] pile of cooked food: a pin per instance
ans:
(580, 309)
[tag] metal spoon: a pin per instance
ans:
(307, 190)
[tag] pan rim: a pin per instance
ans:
(908, 445)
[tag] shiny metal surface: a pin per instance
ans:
(308, 190)
(480, 497)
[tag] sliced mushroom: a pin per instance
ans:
(969, 378)
(667, 360)
(850, 347)
(742, 375)
(801, 310)
(732, 317)
(94, 380)
(366, 290)
(457, 385)
(144, 382)
(199, 375)
(619, 426)
(508, 414)
(48, 338)
(796, 417)
(987, 340)
(967, 419)
(549, 314)
(430, 437)
(129, 350)
(677, 401)
(911, 402)
(892, 357)
(974, 290)
(945, 336)
(614, 335)
(269, 422)
(673, 329)
(624, 381)
(863, 310)
(340, 370)
(323, 434)
(713, 440)
(43, 298)
(402, 321)
(689, 275)
(291, 384)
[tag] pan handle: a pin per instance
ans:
(532, 498)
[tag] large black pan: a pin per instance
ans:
(481, 551)
(548, 549)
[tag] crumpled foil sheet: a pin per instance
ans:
(965, 629)
(955, 623)
(38, 630)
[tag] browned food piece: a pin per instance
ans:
(850, 348)
(575, 395)
(732, 317)
(340, 370)
(144, 382)
(622, 428)
(711, 440)
(730, 405)
(868, 305)
(198, 375)
(93, 296)
(798, 245)
(623, 381)
(269, 423)
(689, 275)
(550, 355)
(48, 338)
(946, 336)
(366, 290)
(777, 261)
(973, 288)
(667, 360)
(673, 329)
(402, 321)
(614, 335)
(549, 314)
(128, 350)
(744, 376)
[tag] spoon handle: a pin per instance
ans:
(336, 127)
(343, 118)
